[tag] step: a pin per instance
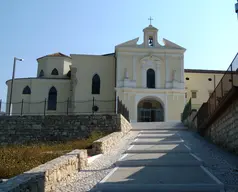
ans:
(163, 148)
(159, 129)
(159, 159)
(160, 179)
(159, 140)
(157, 137)
(149, 142)
(159, 132)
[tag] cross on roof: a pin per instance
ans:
(150, 20)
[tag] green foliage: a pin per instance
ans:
(187, 110)
(16, 159)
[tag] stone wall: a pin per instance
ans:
(45, 177)
(106, 143)
(224, 130)
(27, 129)
(190, 122)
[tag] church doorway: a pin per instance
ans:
(150, 110)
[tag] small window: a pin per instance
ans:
(186, 95)
(209, 79)
(150, 42)
(54, 72)
(194, 94)
(26, 90)
(187, 78)
(41, 74)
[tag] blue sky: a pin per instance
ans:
(30, 29)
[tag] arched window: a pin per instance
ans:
(96, 84)
(54, 72)
(52, 99)
(150, 78)
(41, 74)
(26, 90)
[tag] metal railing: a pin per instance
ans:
(122, 109)
(93, 106)
(227, 82)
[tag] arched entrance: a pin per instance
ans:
(150, 110)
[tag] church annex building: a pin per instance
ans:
(149, 78)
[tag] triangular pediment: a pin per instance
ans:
(131, 43)
(168, 43)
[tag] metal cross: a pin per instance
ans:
(150, 20)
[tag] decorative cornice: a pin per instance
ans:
(150, 91)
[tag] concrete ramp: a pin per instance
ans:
(160, 179)
(159, 160)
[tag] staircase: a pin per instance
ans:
(159, 160)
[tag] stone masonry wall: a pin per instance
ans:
(46, 177)
(224, 131)
(26, 129)
(106, 143)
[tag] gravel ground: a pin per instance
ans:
(222, 164)
(85, 180)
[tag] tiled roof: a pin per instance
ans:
(58, 54)
(203, 71)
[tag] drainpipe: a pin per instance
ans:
(214, 82)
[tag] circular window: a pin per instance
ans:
(209, 79)
(187, 78)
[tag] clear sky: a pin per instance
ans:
(29, 29)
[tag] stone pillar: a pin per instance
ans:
(126, 73)
(166, 108)
(73, 84)
(182, 71)
(134, 68)
(158, 77)
(118, 79)
(143, 79)
(167, 69)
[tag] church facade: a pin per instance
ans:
(149, 78)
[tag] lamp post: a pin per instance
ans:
(236, 8)
(13, 75)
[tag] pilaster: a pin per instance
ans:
(73, 84)
(157, 76)
(134, 68)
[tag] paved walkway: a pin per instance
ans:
(161, 158)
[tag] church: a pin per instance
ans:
(148, 78)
